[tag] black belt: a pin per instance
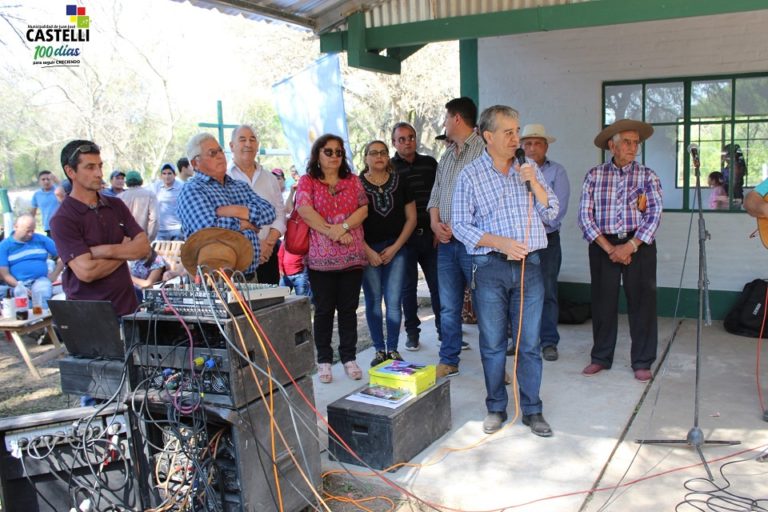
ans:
(503, 256)
(553, 233)
(620, 236)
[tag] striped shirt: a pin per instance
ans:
(487, 201)
(610, 198)
(448, 170)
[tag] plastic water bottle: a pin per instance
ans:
(9, 307)
(21, 299)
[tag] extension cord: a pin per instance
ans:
(20, 439)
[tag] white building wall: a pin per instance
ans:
(555, 78)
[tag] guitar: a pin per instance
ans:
(762, 228)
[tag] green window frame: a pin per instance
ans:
(718, 113)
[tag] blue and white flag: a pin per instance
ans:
(311, 103)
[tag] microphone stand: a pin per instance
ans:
(695, 437)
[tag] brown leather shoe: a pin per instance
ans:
(538, 424)
(643, 374)
(592, 369)
(446, 370)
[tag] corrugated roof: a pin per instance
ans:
(324, 15)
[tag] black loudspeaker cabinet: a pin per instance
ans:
(163, 351)
(243, 479)
(45, 466)
(97, 378)
(382, 436)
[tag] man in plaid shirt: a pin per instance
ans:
(619, 213)
(212, 199)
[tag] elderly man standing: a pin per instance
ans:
(491, 218)
(535, 141)
(24, 258)
(213, 199)
(245, 148)
(619, 213)
(419, 172)
(142, 203)
(95, 234)
(453, 262)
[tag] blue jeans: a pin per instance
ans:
(454, 266)
(551, 258)
(497, 296)
(299, 283)
(387, 281)
(169, 234)
(420, 252)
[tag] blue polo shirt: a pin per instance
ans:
(27, 260)
(48, 205)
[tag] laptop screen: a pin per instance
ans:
(88, 328)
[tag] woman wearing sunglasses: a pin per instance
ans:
(332, 202)
(391, 220)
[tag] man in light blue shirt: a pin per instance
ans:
(535, 141)
(501, 224)
(45, 199)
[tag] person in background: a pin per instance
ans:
(294, 272)
(167, 191)
(734, 169)
(24, 258)
(116, 182)
(718, 196)
(244, 167)
(147, 272)
(142, 202)
(45, 199)
(535, 142)
(418, 171)
(60, 192)
(390, 222)
(185, 169)
(331, 200)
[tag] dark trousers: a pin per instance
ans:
(420, 252)
(268, 272)
(332, 292)
(639, 278)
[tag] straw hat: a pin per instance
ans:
(538, 131)
(216, 248)
(623, 125)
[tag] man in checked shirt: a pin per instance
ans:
(211, 198)
(619, 214)
(501, 225)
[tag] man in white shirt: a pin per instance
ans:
(245, 148)
(167, 191)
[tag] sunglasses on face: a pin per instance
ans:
(331, 152)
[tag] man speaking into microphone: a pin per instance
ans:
(503, 235)
(619, 213)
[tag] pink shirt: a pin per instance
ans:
(324, 253)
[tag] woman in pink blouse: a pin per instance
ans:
(332, 202)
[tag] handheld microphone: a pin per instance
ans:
(520, 155)
(693, 149)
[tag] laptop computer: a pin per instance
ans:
(88, 328)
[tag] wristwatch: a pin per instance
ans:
(345, 226)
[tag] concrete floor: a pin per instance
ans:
(593, 449)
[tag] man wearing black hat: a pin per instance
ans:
(117, 184)
(619, 213)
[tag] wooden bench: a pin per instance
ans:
(170, 250)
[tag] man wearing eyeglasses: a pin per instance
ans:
(211, 198)
(619, 213)
(421, 248)
(245, 148)
(453, 262)
(95, 234)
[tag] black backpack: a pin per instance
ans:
(747, 315)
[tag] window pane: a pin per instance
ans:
(711, 98)
(664, 103)
(660, 152)
(623, 102)
(753, 141)
(752, 96)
